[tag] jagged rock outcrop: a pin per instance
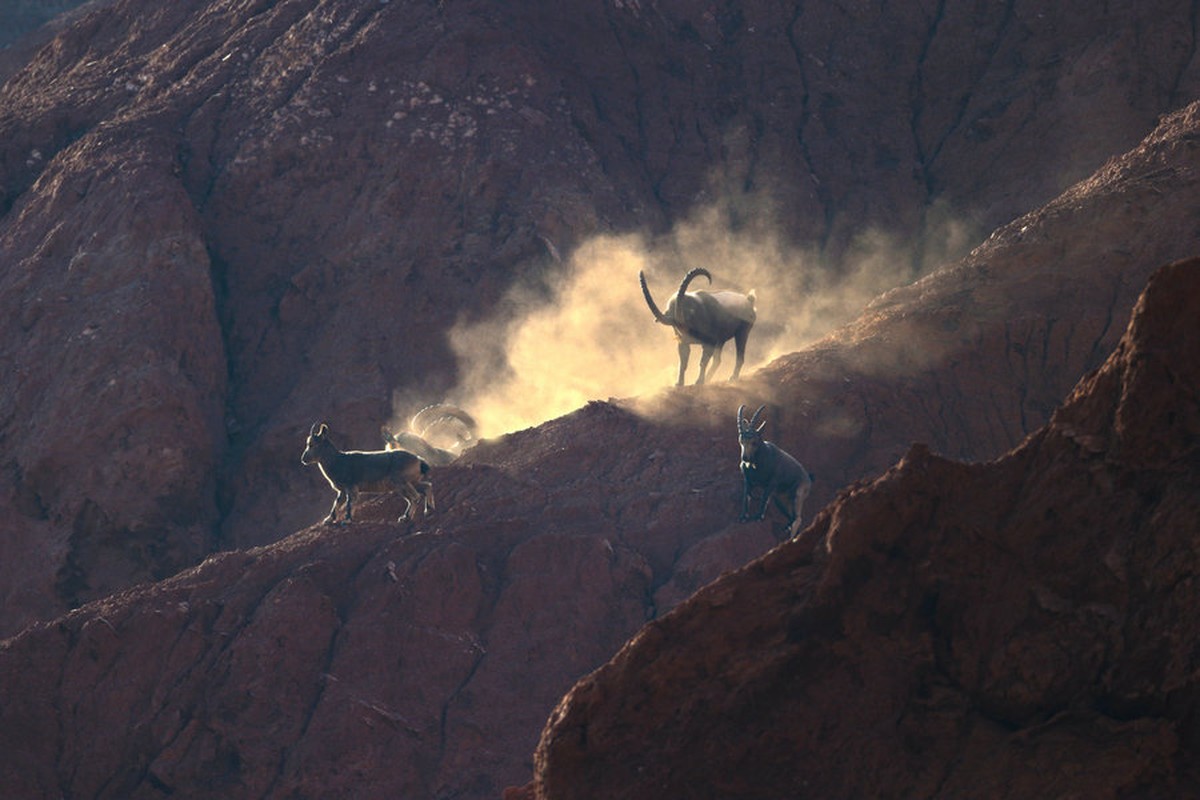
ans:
(222, 221)
(1025, 627)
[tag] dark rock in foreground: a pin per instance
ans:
(1028, 627)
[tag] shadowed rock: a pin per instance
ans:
(1021, 628)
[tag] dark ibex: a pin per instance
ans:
(437, 433)
(709, 319)
(350, 471)
(766, 466)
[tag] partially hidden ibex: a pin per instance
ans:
(709, 319)
(766, 466)
(350, 471)
(437, 433)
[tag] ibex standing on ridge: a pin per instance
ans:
(709, 319)
(372, 471)
(766, 466)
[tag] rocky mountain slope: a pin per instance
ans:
(1025, 627)
(222, 221)
(424, 660)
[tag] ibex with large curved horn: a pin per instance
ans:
(766, 466)
(437, 433)
(709, 319)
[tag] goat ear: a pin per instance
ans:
(313, 430)
(322, 430)
(761, 425)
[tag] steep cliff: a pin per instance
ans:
(1025, 627)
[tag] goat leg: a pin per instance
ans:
(768, 491)
(747, 490)
(716, 359)
(706, 353)
(740, 346)
(801, 496)
(333, 509)
(410, 495)
(408, 511)
(788, 513)
(685, 351)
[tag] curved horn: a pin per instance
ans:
(692, 274)
(740, 420)
(754, 419)
(429, 416)
(658, 315)
(466, 419)
(681, 309)
(315, 429)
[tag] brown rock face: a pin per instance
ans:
(1021, 628)
(223, 221)
(424, 660)
(220, 222)
(342, 662)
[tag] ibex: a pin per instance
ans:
(766, 466)
(437, 433)
(445, 421)
(350, 471)
(708, 319)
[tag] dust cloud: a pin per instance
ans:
(550, 350)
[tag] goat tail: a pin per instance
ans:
(751, 296)
(658, 315)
